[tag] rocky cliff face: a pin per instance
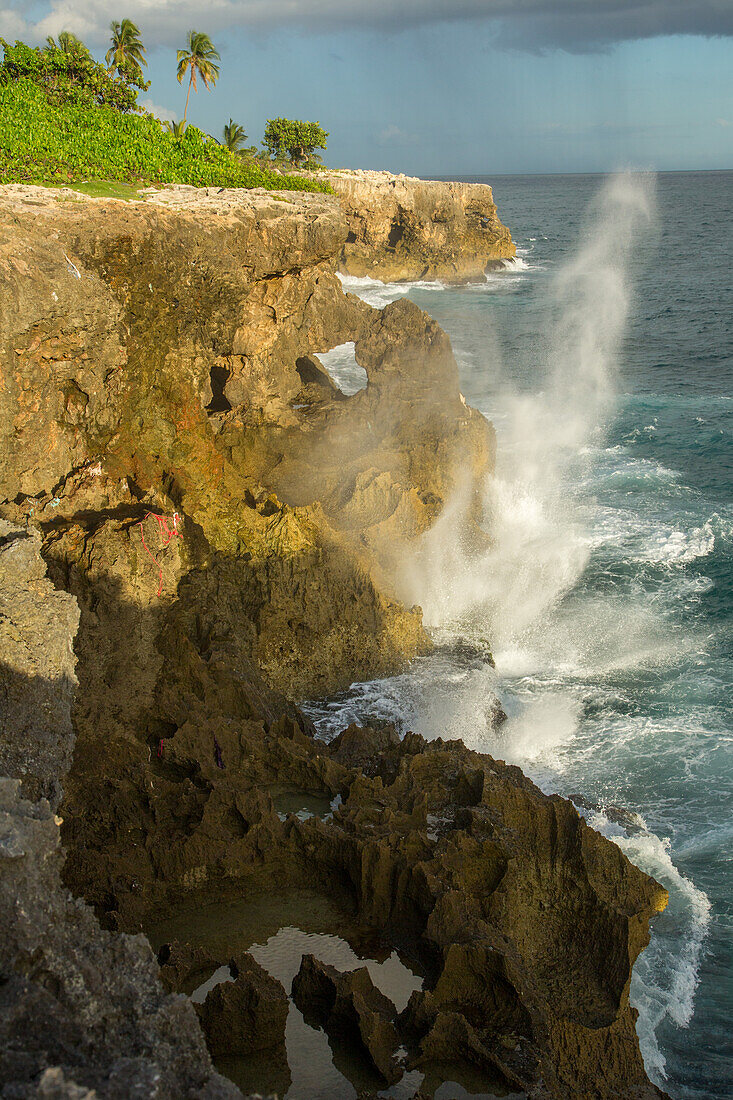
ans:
(228, 522)
(403, 229)
(82, 1012)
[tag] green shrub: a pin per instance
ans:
(69, 77)
(43, 140)
(296, 140)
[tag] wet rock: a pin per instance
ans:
(349, 1004)
(245, 1015)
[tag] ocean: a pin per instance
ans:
(604, 357)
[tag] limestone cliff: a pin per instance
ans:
(162, 355)
(82, 1012)
(228, 522)
(403, 229)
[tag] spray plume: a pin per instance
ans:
(538, 549)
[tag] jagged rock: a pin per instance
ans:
(181, 963)
(82, 1013)
(371, 750)
(245, 1015)
(349, 1004)
(401, 228)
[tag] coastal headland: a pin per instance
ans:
(198, 531)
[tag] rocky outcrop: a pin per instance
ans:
(247, 1014)
(350, 1005)
(82, 1012)
(160, 356)
(402, 229)
(229, 523)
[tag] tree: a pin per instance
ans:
(69, 43)
(68, 76)
(125, 55)
(198, 60)
(296, 140)
(234, 136)
(178, 129)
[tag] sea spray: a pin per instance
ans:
(539, 545)
(620, 691)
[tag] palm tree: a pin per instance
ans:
(67, 42)
(234, 136)
(199, 60)
(178, 129)
(126, 51)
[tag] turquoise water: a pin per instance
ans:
(604, 357)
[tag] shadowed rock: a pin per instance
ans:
(349, 1005)
(247, 1014)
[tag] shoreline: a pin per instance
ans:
(277, 509)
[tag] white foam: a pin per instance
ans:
(516, 263)
(379, 294)
(666, 976)
(543, 725)
(341, 364)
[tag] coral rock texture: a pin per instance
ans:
(403, 229)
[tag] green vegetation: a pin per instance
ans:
(107, 189)
(43, 142)
(67, 75)
(125, 55)
(296, 140)
(234, 136)
(199, 60)
(65, 118)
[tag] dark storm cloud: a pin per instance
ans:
(576, 25)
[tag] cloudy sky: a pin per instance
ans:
(440, 87)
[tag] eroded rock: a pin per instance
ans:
(349, 1004)
(403, 229)
(247, 1014)
(82, 1012)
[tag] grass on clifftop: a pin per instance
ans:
(43, 142)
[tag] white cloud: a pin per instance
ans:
(723, 122)
(12, 25)
(528, 24)
(159, 112)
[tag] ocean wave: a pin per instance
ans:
(666, 976)
(616, 470)
(517, 263)
(657, 541)
(379, 294)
